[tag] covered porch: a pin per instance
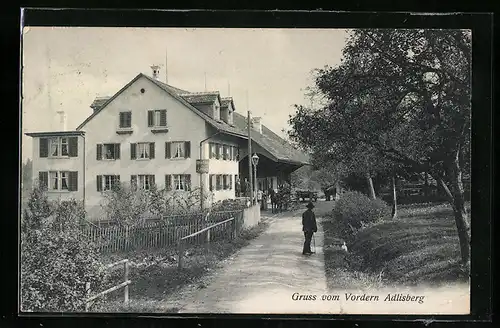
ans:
(271, 173)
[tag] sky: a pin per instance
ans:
(264, 70)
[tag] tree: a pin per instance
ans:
(404, 94)
(38, 210)
(26, 171)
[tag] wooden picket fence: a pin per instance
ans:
(155, 233)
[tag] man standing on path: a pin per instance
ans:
(309, 227)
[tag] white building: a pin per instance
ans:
(152, 133)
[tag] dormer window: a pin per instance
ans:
(217, 112)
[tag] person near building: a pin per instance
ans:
(309, 227)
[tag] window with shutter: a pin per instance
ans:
(150, 118)
(152, 150)
(125, 119)
(43, 178)
(163, 117)
(168, 182)
(73, 181)
(133, 154)
(99, 182)
(187, 149)
(73, 146)
(187, 179)
(44, 147)
(99, 152)
(117, 151)
(218, 182)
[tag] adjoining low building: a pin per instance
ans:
(152, 133)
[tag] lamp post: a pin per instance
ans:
(255, 162)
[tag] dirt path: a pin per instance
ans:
(262, 277)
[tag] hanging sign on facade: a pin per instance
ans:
(202, 166)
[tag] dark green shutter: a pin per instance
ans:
(99, 183)
(168, 152)
(150, 118)
(44, 147)
(188, 182)
(122, 119)
(129, 119)
(168, 182)
(43, 179)
(187, 146)
(117, 151)
(99, 152)
(151, 150)
(132, 151)
(73, 146)
(163, 117)
(73, 181)
(230, 182)
(211, 182)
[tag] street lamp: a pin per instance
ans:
(255, 162)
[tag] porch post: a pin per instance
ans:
(250, 159)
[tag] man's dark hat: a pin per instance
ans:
(310, 205)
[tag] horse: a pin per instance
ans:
(273, 196)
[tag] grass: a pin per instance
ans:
(155, 275)
(419, 247)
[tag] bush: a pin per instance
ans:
(354, 210)
(56, 259)
(228, 205)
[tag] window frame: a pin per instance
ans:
(175, 147)
(60, 177)
(146, 149)
(58, 142)
(104, 151)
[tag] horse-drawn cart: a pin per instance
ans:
(303, 195)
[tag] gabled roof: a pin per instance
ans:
(201, 97)
(226, 101)
(282, 150)
(172, 92)
(99, 101)
(273, 143)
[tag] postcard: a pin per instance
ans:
(245, 170)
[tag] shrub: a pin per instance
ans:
(124, 205)
(228, 205)
(355, 210)
(56, 259)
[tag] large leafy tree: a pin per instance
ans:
(405, 96)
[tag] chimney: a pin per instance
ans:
(61, 120)
(156, 72)
(257, 124)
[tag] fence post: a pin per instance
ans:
(233, 232)
(126, 268)
(87, 295)
(180, 249)
(208, 241)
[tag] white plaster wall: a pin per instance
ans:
(183, 125)
(60, 164)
